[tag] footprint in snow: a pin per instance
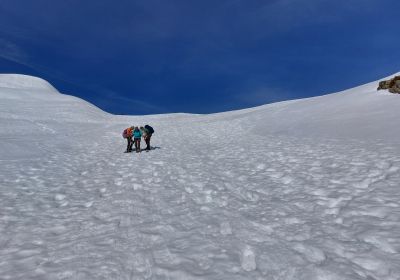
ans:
(225, 228)
(59, 197)
(188, 189)
(261, 166)
(248, 259)
(118, 182)
(312, 254)
(89, 204)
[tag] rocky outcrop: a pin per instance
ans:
(393, 85)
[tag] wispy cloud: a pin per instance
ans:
(133, 104)
(264, 94)
(111, 100)
(12, 52)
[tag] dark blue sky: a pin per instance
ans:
(158, 56)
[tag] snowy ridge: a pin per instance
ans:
(298, 190)
(33, 98)
(17, 81)
(360, 112)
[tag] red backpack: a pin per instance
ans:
(127, 132)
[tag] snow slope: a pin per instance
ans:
(304, 189)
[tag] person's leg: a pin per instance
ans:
(139, 140)
(148, 142)
(127, 146)
(145, 140)
(130, 146)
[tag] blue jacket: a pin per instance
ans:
(137, 134)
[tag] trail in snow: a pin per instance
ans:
(214, 200)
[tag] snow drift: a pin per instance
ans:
(302, 189)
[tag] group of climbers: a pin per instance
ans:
(134, 135)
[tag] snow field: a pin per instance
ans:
(218, 198)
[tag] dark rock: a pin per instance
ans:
(393, 85)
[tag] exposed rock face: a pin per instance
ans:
(393, 85)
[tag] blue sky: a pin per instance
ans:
(159, 56)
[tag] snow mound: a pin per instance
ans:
(17, 81)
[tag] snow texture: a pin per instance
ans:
(304, 189)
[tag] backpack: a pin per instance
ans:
(149, 128)
(127, 132)
(137, 133)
